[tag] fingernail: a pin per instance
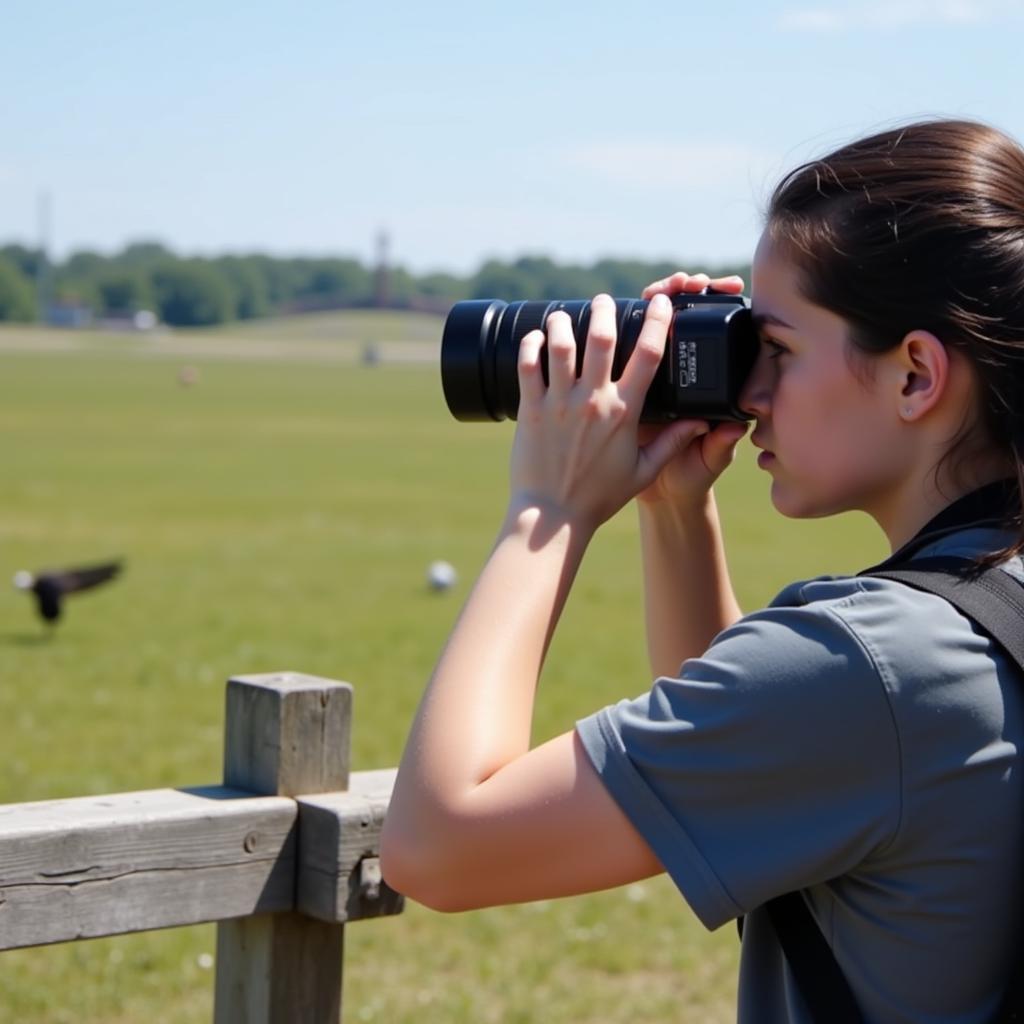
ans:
(660, 303)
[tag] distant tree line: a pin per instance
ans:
(201, 291)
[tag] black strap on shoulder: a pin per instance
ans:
(995, 601)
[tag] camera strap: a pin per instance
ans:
(994, 601)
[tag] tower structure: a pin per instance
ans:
(43, 217)
(381, 278)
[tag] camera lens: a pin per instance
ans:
(710, 350)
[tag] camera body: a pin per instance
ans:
(710, 350)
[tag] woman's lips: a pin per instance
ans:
(766, 458)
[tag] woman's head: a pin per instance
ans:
(919, 229)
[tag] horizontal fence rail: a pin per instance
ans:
(282, 855)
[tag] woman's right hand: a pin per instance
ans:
(699, 461)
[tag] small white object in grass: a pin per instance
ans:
(441, 576)
(204, 961)
(636, 893)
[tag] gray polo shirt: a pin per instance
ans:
(856, 740)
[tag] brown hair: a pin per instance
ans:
(922, 227)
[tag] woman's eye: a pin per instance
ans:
(773, 348)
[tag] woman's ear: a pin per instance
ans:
(923, 374)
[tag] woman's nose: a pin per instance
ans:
(756, 393)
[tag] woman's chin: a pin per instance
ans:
(792, 504)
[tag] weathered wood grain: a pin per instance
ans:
(287, 733)
(339, 840)
(279, 968)
(284, 734)
(106, 865)
(279, 855)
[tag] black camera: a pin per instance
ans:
(710, 350)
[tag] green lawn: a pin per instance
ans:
(281, 514)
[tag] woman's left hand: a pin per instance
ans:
(576, 454)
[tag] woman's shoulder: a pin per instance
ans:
(859, 604)
(849, 631)
(909, 637)
(863, 598)
(872, 607)
(861, 601)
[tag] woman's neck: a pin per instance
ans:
(921, 499)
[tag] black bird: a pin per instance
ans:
(53, 585)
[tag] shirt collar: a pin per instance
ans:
(992, 505)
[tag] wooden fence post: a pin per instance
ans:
(285, 734)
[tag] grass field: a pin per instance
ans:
(280, 514)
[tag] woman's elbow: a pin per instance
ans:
(423, 871)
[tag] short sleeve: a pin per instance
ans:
(770, 764)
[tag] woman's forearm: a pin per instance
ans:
(688, 596)
(476, 713)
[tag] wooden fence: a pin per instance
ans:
(283, 854)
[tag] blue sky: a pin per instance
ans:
(464, 130)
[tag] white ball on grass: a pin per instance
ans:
(441, 576)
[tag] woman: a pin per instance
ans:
(856, 740)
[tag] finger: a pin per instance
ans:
(667, 285)
(732, 285)
(683, 283)
(561, 353)
(719, 447)
(531, 379)
(600, 351)
(657, 453)
(644, 360)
